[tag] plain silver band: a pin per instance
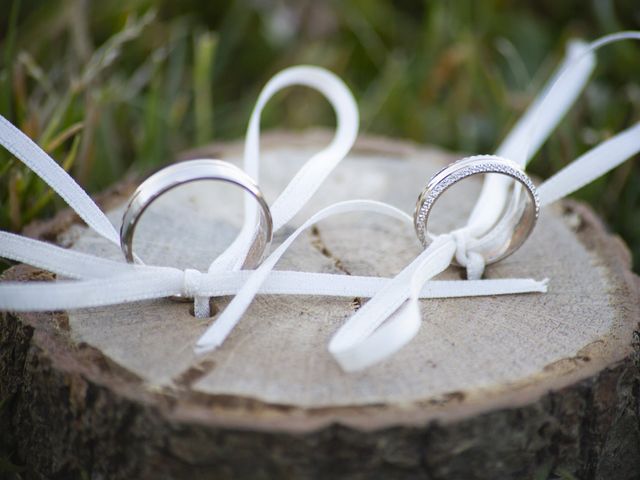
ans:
(191, 171)
(518, 226)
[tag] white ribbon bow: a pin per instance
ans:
(378, 329)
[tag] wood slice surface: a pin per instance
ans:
(495, 387)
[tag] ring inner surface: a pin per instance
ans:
(452, 208)
(511, 230)
(189, 225)
(451, 211)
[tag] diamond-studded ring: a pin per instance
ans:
(517, 220)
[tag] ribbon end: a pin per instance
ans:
(204, 347)
(544, 284)
(211, 339)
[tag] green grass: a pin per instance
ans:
(107, 87)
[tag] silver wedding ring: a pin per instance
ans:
(518, 218)
(191, 171)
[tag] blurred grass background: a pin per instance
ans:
(110, 87)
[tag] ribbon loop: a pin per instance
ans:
(473, 261)
(312, 174)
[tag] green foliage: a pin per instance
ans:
(564, 474)
(107, 87)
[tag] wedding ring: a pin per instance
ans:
(518, 218)
(191, 171)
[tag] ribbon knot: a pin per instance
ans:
(191, 287)
(472, 261)
(191, 283)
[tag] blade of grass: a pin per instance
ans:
(9, 55)
(45, 198)
(7, 167)
(57, 118)
(63, 136)
(16, 188)
(204, 54)
(32, 185)
(107, 54)
(565, 474)
(543, 471)
(153, 142)
(36, 72)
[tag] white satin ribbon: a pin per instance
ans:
(105, 282)
(374, 332)
(357, 344)
(308, 179)
(29, 153)
(528, 135)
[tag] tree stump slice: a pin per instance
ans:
(496, 387)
